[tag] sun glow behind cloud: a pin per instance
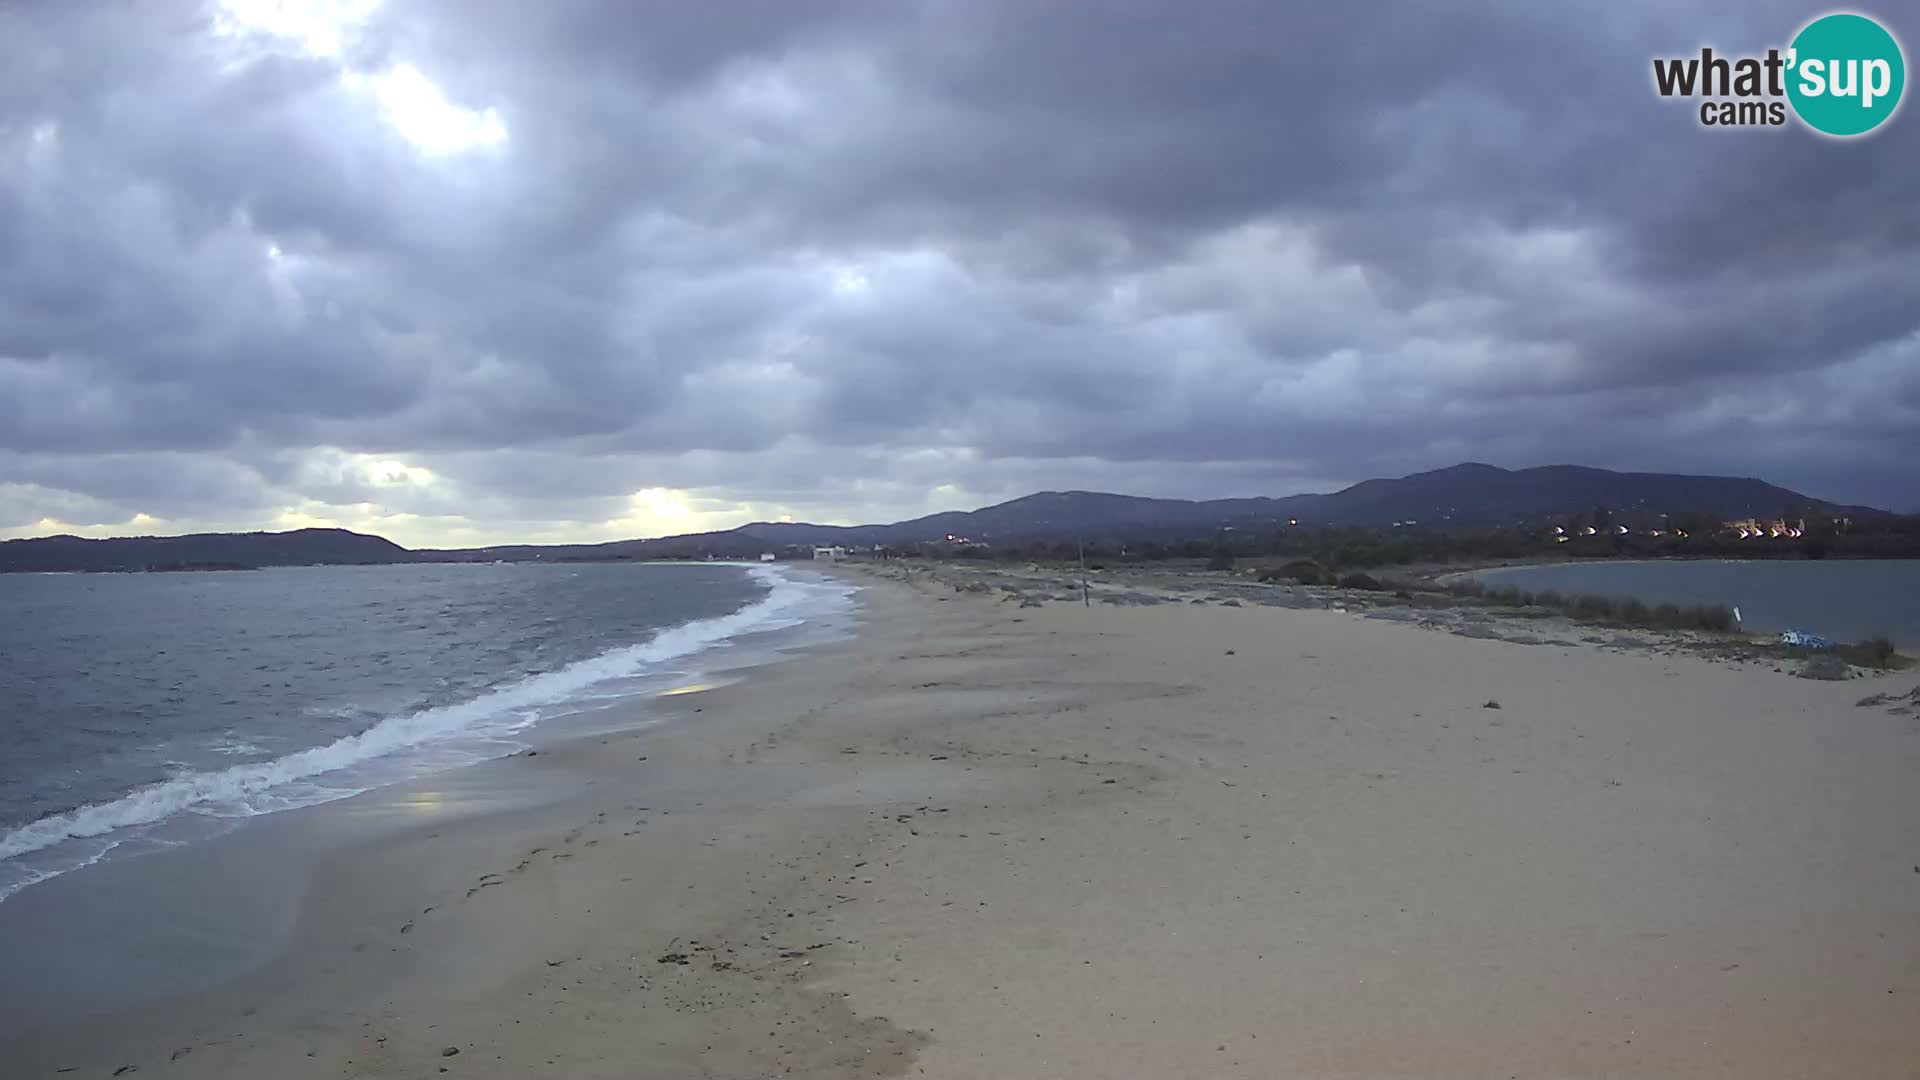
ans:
(420, 112)
(320, 27)
(413, 104)
(397, 474)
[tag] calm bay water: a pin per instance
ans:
(131, 704)
(1842, 599)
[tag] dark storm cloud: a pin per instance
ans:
(851, 259)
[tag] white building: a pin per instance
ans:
(830, 554)
(766, 556)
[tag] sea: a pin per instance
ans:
(1840, 599)
(147, 710)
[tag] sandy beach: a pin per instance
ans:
(988, 839)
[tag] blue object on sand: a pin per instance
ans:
(1803, 640)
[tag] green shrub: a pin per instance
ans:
(1304, 571)
(1715, 617)
(1590, 606)
(1875, 652)
(1360, 581)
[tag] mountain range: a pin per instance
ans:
(1465, 496)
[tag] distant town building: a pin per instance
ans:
(766, 556)
(830, 554)
(1753, 529)
(955, 543)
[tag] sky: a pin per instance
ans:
(473, 271)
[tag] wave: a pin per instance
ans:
(497, 714)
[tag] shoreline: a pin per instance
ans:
(985, 839)
(168, 813)
(167, 941)
(1455, 575)
(1480, 568)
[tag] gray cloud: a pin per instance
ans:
(857, 259)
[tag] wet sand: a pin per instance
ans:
(986, 840)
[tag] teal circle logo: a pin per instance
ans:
(1845, 74)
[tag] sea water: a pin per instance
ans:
(136, 709)
(1841, 599)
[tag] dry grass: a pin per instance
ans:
(1608, 610)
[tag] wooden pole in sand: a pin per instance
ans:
(1084, 601)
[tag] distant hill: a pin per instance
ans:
(199, 551)
(1476, 494)
(1470, 495)
(1464, 496)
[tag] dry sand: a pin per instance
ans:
(992, 841)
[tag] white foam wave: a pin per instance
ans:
(260, 787)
